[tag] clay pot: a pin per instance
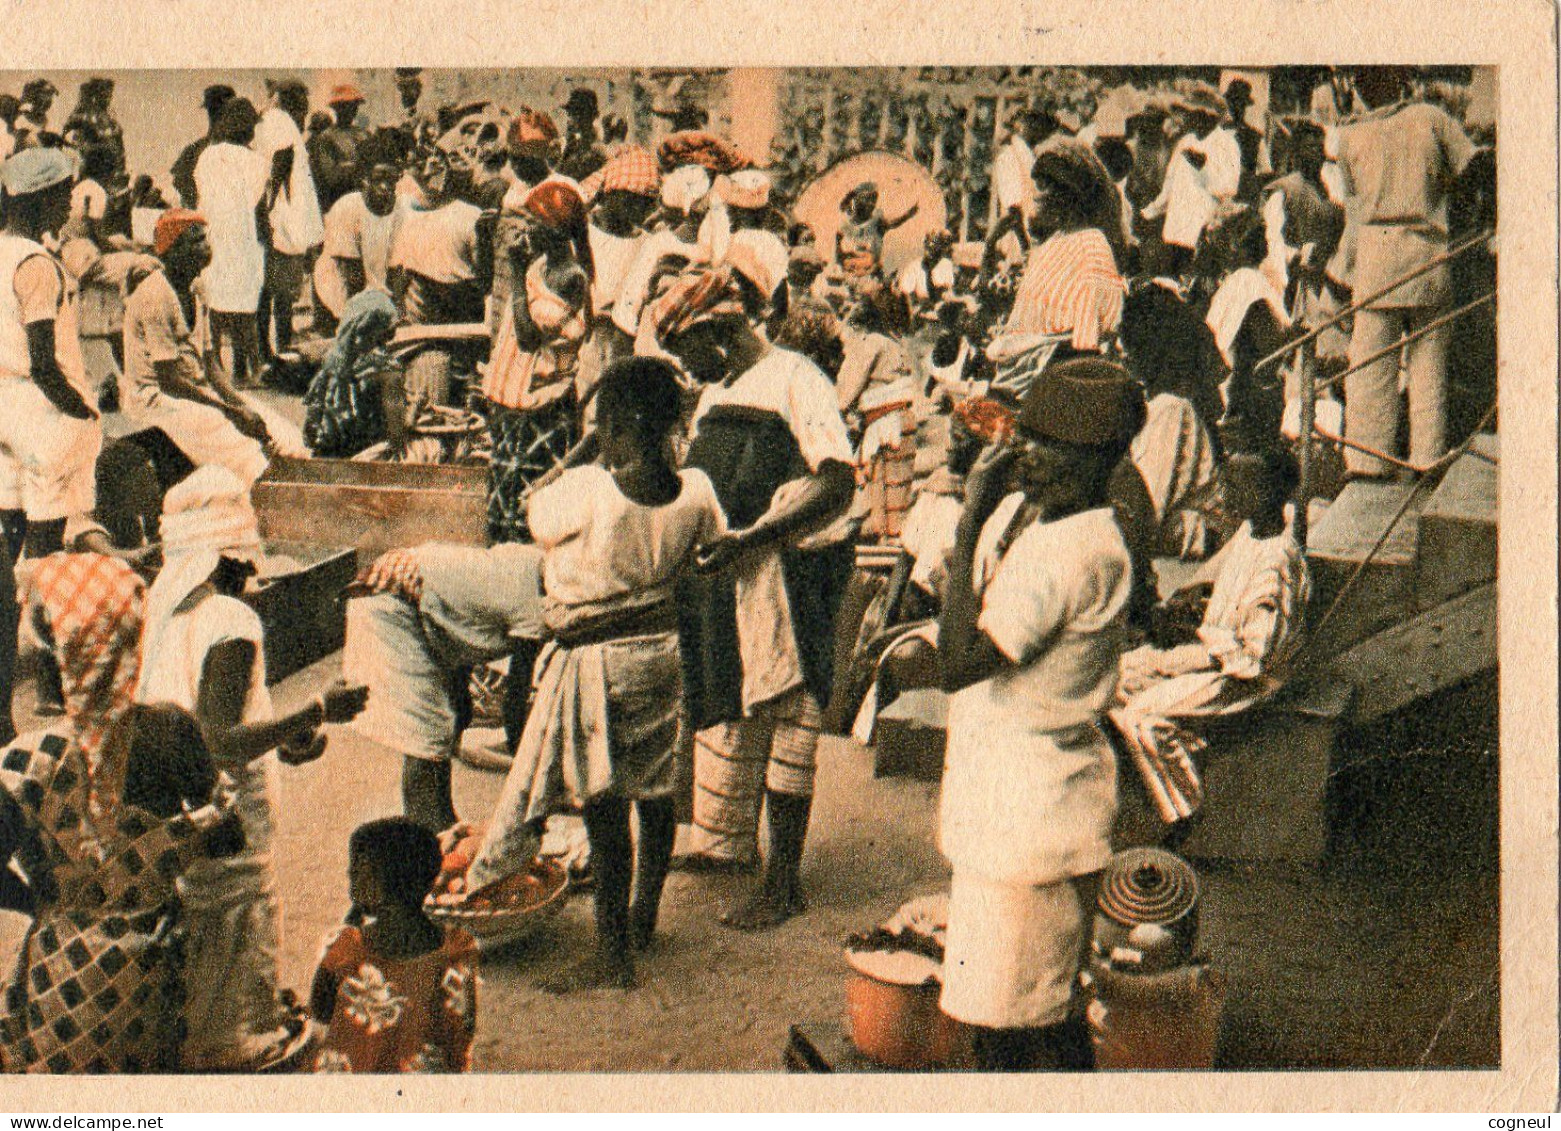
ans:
(901, 1026)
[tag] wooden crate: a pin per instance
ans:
(304, 611)
(371, 507)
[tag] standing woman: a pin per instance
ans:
(616, 536)
(1034, 611)
(204, 651)
(531, 375)
(83, 805)
(1069, 299)
(230, 181)
(760, 629)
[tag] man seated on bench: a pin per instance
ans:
(166, 383)
(1238, 656)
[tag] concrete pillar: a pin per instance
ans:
(753, 105)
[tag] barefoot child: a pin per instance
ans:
(399, 994)
(608, 706)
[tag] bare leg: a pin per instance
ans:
(652, 855)
(612, 857)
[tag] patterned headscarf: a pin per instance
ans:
(631, 169)
(531, 130)
(695, 147)
(698, 295)
(94, 606)
(556, 204)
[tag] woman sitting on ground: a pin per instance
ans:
(84, 806)
(358, 398)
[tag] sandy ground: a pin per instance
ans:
(1386, 956)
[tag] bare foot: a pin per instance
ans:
(599, 972)
(766, 909)
(642, 935)
(700, 864)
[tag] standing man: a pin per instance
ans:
(50, 435)
(92, 125)
(183, 172)
(419, 128)
(1400, 162)
(1249, 140)
(1033, 624)
(35, 125)
(293, 208)
(360, 230)
(230, 183)
(49, 430)
(338, 146)
(582, 154)
(1011, 167)
(1204, 172)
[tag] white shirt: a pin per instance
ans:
(171, 673)
(229, 182)
(598, 545)
(914, 281)
(296, 226)
(88, 200)
(15, 356)
(1029, 792)
(1228, 308)
(354, 232)
(441, 244)
(1011, 177)
(797, 391)
(1190, 197)
(611, 258)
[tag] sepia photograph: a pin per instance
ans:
(755, 569)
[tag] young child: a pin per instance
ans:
(399, 994)
(859, 242)
(607, 712)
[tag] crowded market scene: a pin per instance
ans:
(837, 570)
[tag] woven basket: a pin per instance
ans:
(501, 924)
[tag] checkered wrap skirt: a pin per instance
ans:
(527, 444)
(97, 985)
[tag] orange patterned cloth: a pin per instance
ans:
(631, 169)
(93, 605)
(695, 296)
(400, 1015)
(990, 420)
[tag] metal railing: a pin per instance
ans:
(1304, 348)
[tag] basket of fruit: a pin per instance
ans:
(504, 911)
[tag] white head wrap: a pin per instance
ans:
(684, 187)
(206, 517)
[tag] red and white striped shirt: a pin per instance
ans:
(1070, 285)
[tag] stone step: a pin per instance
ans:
(1458, 528)
(1342, 539)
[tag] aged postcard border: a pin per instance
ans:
(1517, 36)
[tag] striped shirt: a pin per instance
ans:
(1070, 285)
